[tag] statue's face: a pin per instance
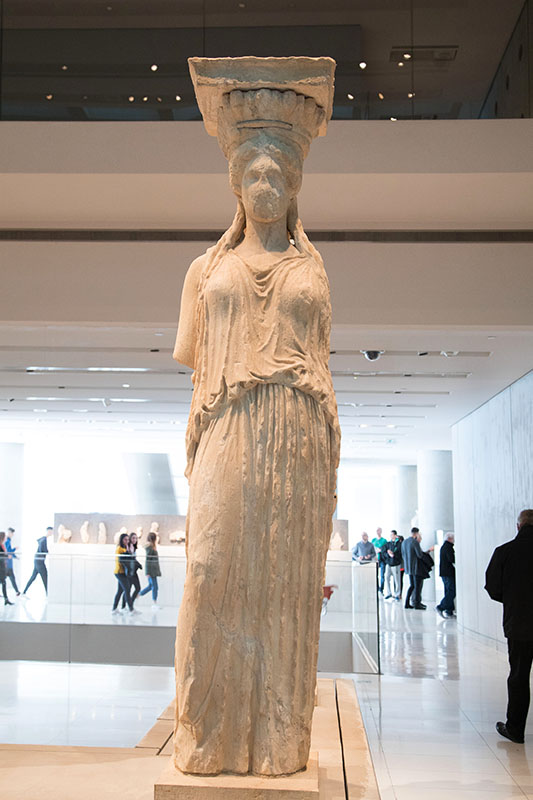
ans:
(264, 191)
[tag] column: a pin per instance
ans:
(435, 493)
(435, 508)
(407, 498)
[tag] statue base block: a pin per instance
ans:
(176, 785)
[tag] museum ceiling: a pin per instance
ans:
(123, 59)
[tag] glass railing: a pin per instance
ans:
(128, 61)
(75, 622)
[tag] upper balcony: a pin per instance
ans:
(114, 60)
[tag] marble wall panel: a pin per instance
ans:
(493, 480)
(522, 413)
(465, 529)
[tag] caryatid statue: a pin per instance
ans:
(263, 435)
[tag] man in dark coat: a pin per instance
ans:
(446, 607)
(414, 561)
(508, 581)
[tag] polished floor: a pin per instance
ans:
(429, 717)
(80, 704)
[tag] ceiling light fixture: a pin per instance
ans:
(64, 67)
(350, 96)
(400, 63)
(125, 385)
(154, 67)
(407, 56)
(381, 96)
(394, 119)
(410, 94)
(362, 65)
(178, 97)
(49, 96)
(131, 98)
(145, 99)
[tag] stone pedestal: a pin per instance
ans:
(175, 785)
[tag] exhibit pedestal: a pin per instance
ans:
(175, 785)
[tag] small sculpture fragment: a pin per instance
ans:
(64, 535)
(119, 533)
(102, 533)
(84, 532)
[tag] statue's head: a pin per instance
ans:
(265, 173)
(265, 112)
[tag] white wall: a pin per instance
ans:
(493, 481)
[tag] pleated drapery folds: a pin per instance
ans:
(261, 500)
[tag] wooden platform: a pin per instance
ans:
(345, 770)
(35, 772)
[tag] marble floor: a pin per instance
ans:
(80, 704)
(429, 717)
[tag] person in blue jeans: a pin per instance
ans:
(152, 569)
(39, 565)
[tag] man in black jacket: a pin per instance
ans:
(508, 581)
(446, 607)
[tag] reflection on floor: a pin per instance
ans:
(81, 704)
(430, 717)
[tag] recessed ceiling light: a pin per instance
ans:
(131, 98)
(400, 63)
(350, 96)
(49, 96)
(158, 99)
(407, 56)
(128, 400)
(381, 96)
(178, 97)
(145, 99)
(391, 426)
(410, 94)
(363, 425)
(64, 67)
(125, 385)
(154, 67)
(394, 119)
(362, 65)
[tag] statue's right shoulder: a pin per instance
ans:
(196, 269)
